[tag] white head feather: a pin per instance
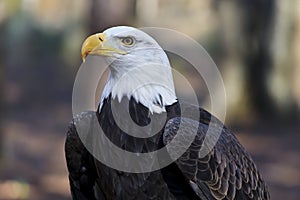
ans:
(142, 72)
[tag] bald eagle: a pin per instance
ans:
(226, 172)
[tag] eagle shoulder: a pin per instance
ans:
(80, 163)
(227, 171)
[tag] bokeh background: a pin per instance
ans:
(255, 44)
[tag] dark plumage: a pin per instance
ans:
(141, 80)
(227, 172)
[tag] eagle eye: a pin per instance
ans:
(128, 41)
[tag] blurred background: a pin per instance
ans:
(255, 44)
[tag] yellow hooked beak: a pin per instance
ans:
(96, 45)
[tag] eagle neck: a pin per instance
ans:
(152, 86)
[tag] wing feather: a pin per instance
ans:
(227, 170)
(80, 163)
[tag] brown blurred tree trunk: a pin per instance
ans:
(1, 115)
(248, 27)
(257, 27)
(104, 14)
(2, 107)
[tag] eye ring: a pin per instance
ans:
(128, 41)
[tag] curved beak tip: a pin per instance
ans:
(90, 44)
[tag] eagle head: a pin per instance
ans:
(139, 67)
